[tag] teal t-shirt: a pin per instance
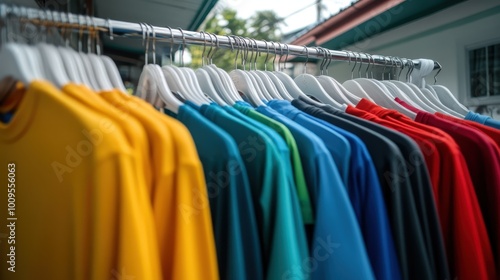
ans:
(228, 188)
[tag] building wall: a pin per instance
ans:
(443, 36)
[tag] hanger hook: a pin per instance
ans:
(230, 42)
(355, 63)
(307, 58)
(286, 56)
(324, 60)
(247, 51)
(172, 43)
(281, 54)
(275, 55)
(202, 33)
(216, 48)
(437, 73)
(47, 22)
(250, 51)
(96, 36)
(412, 68)
(360, 63)
(89, 34)
(154, 42)
(267, 55)
(329, 60)
(396, 65)
(110, 29)
(257, 54)
(408, 62)
(148, 36)
(237, 52)
(402, 66)
(183, 45)
(143, 40)
(368, 65)
(211, 47)
(319, 52)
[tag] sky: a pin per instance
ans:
(303, 16)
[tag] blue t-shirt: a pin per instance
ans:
(365, 193)
(482, 119)
(233, 215)
(337, 145)
(281, 230)
(335, 254)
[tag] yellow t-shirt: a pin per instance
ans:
(183, 212)
(133, 130)
(78, 209)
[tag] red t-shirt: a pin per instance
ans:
(482, 156)
(460, 216)
(493, 133)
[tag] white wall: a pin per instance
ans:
(443, 36)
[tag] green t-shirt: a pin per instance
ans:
(298, 172)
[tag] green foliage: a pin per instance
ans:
(264, 25)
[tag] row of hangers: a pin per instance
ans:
(212, 84)
(57, 64)
(160, 85)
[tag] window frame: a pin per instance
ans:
(477, 101)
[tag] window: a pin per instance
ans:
(484, 70)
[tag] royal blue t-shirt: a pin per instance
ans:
(482, 119)
(335, 253)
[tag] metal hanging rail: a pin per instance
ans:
(179, 36)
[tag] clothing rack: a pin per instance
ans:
(184, 37)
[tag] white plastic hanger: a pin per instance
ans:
(110, 66)
(280, 87)
(70, 63)
(152, 85)
(308, 83)
(431, 93)
(85, 61)
(228, 84)
(449, 99)
(49, 58)
(100, 71)
(260, 75)
(256, 82)
(205, 82)
(176, 79)
(410, 93)
(218, 80)
(14, 59)
(380, 94)
(73, 62)
(330, 85)
(188, 76)
(243, 82)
